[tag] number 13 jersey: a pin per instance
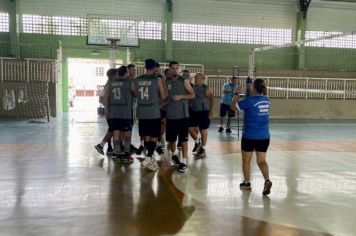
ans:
(120, 99)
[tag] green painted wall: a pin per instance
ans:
(224, 56)
(4, 44)
(336, 59)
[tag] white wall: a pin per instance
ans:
(146, 10)
(331, 16)
(4, 5)
(270, 14)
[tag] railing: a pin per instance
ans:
(297, 87)
(193, 68)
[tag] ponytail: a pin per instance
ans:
(259, 86)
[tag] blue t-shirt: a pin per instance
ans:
(256, 117)
(227, 97)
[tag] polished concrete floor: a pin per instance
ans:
(53, 182)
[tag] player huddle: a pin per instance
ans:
(168, 107)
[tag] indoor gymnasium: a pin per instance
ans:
(177, 117)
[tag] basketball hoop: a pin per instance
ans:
(113, 42)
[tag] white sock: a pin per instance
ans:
(175, 153)
(196, 141)
(184, 160)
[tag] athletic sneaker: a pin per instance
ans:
(228, 130)
(221, 129)
(145, 161)
(245, 185)
(126, 158)
(109, 151)
(159, 150)
(133, 149)
(196, 146)
(201, 151)
(267, 188)
(100, 149)
(175, 160)
(150, 164)
(182, 168)
(117, 157)
(140, 150)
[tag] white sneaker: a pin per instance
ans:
(145, 162)
(152, 165)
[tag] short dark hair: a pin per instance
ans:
(150, 64)
(186, 71)
(111, 72)
(122, 70)
(157, 65)
(166, 71)
(173, 63)
(129, 66)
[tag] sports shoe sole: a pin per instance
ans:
(150, 167)
(182, 171)
(246, 188)
(267, 188)
(99, 150)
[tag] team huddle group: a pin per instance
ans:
(168, 108)
(171, 105)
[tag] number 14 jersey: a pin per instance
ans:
(148, 100)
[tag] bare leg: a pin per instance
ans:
(262, 164)
(185, 149)
(172, 146)
(221, 121)
(193, 131)
(107, 137)
(204, 136)
(246, 167)
(228, 122)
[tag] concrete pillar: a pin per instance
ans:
(15, 23)
(168, 32)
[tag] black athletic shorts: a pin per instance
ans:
(120, 124)
(178, 128)
(163, 114)
(199, 119)
(149, 127)
(108, 121)
(258, 145)
(224, 108)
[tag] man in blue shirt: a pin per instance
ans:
(226, 99)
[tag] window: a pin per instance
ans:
(149, 30)
(69, 25)
(54, 25)
(338, 42)
(99, 71)
(4, 22)
(231, 34)
(36, 24)
(61, 25)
